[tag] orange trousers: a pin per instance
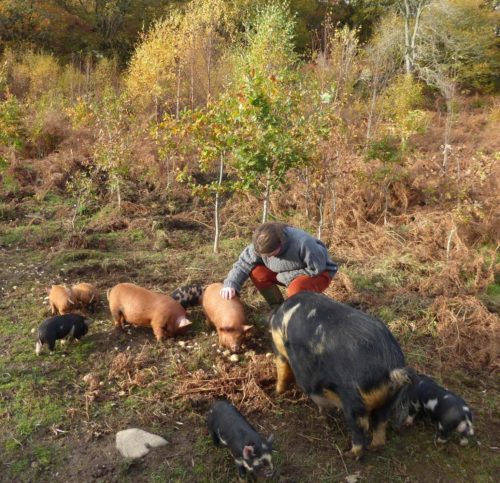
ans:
(262, 277)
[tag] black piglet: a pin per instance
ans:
(61, 327)
(251, 452)
(449, 411)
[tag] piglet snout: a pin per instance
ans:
(266, 471)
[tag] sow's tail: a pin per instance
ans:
(188, 295)
(402, 380)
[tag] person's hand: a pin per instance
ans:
(227, 293)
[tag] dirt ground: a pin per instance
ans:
(56, 428)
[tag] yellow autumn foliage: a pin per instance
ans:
(152, 71)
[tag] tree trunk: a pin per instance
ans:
(334, 205)
(370, 115)
(416, 26)
(408, 66)
(447, 130)
(119, 195)
(87, 74)
(386, 202)
(217, 214)
(411, 9)
(267, 194)
(320, 224)
(192, 73)
(178, 95)
(209, 68)
(307, 193)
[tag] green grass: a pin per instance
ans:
(70, 256)
(7, 211)
(40, 235)
(491, 297)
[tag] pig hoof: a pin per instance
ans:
(464, 441)
(409, 421)
(441, 440)
(376, 446)
(356, 452)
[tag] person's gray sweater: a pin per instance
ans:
(301, 254)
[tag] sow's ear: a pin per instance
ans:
(246, 328)
(247, 452)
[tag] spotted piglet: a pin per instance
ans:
(251, 452)
(449, 411)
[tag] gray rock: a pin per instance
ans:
(136, 443)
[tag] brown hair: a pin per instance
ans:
(268, 236)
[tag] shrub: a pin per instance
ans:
(12, 133)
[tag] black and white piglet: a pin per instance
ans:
(449, 411)
(60, 327)
(251, 452)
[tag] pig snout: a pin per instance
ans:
(268, 471)
(235, 345)
(230, 339)
(264, 470)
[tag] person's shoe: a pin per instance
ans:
(272, 295)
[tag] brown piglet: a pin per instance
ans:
(228, 317)
(85, 295)
(139, 306)
(61, 300)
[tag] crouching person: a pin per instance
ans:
(281, 255)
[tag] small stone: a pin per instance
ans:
(226, 353)
(234, 358)
(353, 478)
(136, 443)
(269, 355)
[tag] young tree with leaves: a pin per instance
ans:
(212, 137)
(270, 134)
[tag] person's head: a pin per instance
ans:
(268, 238)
